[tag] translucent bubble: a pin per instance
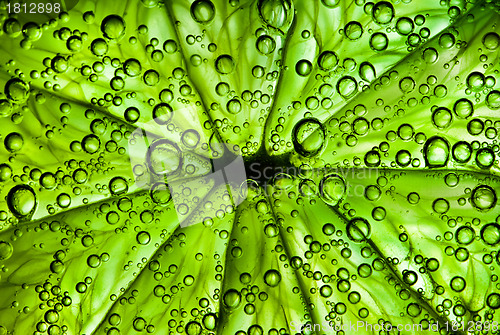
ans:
(151, 77)
(436, 152)
(202, 11)
(347, 87)
(231, 299)
(132, 67)
(308, 137)
(272, 278)
(446, 40)
(463, 108)
(451, 179)
(332, 189)
(457, 284)
(143, 238)
(170, 46)
(462, 152)
(303, 67)
(113, 27)
(440, 206)
(210, 321)
(91, 144)
(353, 30)
(475, 81)
(493, 99)
(328, 60)
(59, 64)
(266, 44)
(99, 47)
(330, 3)
(485, 157)
(5, 172)
(164, 158)
(430, 55)
(379, 41)
(367, 71)
(132, 114)
(224, 64)
(118, 186)
(372, 158)
(403, 158)
(442, 118)
(407, 85)
(163, 113)
(360, 126)
(404, 26)
(493, 300)
(491, 41)
(93, 261)
(326, 291)
(13, 142)
(276, 13)
(12, 27)
(190, 138)
(383, 12)
(465, 235)
(16, 90)
(490, 234)
(22, 201)
(64, 200)
(483, 198)
(6, 250)
(234, 106)
(358, 230)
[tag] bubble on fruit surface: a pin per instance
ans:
(483, 198)
(465, 235)
(367, 71)
(485, 158)
(462, 152)
(272, 277)
(164, 157)
(91, 144)
(143, 238)
(231, 299)
(491, 41)
(358, 229)
(463, 108)
(118, 186)
(407, 85)
(163, 113)
(308, 137)
(190, 138)
(332, 189)
(224, 64)
(436, 152)
(475, 81)
(59, 64)
(266, 44)
(16, 90)
(328, 60)
(353, 30)
(490, 234)
(113, 27)
(6, 250)
(379, 41)
(405, 26)
(383, 12)
(13, 142)
(347, 87)
(493, 99)
(203, 11)
(160, 194)
(22, 201)
(276, 13)
(442, 118)
(303, 67)
(330, 3)
(458, 284)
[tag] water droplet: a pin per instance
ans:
(22, 201)
(358, 230)
(442, 118)
(491, 41)
(407, 85)
(6, 250)
(475, 81)
(490, 234)
(163, 113)
(383, 12)
(493, 99)
(367, 71)
(347, 87)
(430, 55)
(91, 144)
(330, 3)
(404, 26)
(436, 152)
(16, 90)
(202, 11)
(113, 27)
(379, 41)
(164, 157)
(272, 278)
(308, 137)
(224, 64)
(303, 67)
(465, 235)
(266, 44)
(328, 60)
(463, 108)
(462, 152)
(118, 186)
(276, 13)
(457, 284)
(13, 142)
(231, 299)
(483, 198)
(353, 30)
(485, 157)
(332, 189)
(143, 238)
